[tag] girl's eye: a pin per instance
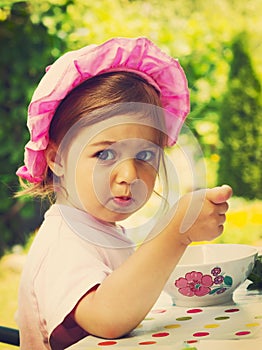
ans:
(146, 156)
(106, 154)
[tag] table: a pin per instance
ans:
(236, 325)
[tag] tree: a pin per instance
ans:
(35, 32)
(25, 52)
(240, 126)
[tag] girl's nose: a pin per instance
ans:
(126, 171)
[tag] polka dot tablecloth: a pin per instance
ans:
(236, 325)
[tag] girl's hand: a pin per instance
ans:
(202, 214)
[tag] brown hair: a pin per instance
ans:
(95, 94)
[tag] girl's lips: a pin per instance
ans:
(123, 201)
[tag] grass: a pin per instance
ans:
(10, 271)
(244, 225)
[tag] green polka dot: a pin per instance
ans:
(185, 318)
(221, 318)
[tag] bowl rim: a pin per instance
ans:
(252, 253)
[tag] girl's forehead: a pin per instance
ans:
(127, 131)
(119, 128)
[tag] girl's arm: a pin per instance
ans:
(125, 297)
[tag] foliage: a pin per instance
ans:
(240, 127)
(256, 275)
(34, 32)
(26, 50)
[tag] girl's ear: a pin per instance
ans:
(53, 160)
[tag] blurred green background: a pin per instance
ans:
(219, 45)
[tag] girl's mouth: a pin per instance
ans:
(123, 201)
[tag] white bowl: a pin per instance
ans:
(208, 274)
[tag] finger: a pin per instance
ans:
(221, 219)
(222, 208)
(219, 194)
(220, 229)
(227, 190)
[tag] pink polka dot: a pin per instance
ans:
(107, 343)
(232, 310)
(243, 333)
(194, 311)
(200, 334)
(158, 311)
(191, 341)
(160, 335)
(147, 343)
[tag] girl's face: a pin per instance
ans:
(112, 174)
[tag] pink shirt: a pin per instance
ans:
(72, 253)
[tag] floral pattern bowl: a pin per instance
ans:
(208, 274)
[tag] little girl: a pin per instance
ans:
(99, 122)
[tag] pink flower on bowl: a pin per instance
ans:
(194, 283)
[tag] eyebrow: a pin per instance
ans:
(102, 143)
(111, 142)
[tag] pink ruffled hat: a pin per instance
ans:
(137, 55)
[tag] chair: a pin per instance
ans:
(9, 336)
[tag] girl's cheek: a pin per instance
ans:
(150, 182)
